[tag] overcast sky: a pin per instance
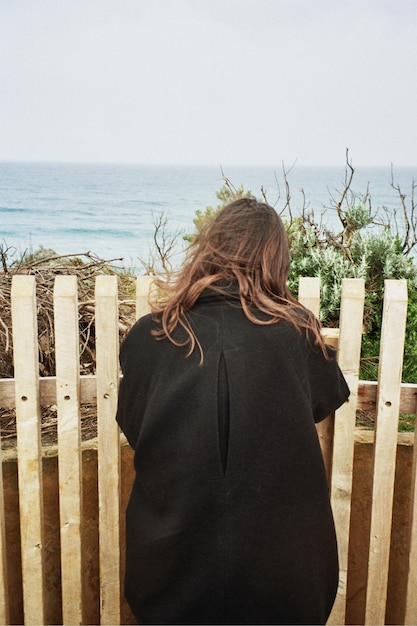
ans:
(247, 82)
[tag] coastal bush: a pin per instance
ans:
(365, 247)
(226, 194)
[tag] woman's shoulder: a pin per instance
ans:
(140, 330)
(144, 322)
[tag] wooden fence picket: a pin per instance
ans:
(4, 595)
(309, 296)
(385, 446)
(143, 290)
(411, 594)
(309, 293)
(350, 338)
(28, 428)
(69, 445)
(107, 355)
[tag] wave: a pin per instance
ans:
(97, 232)
(13, 209)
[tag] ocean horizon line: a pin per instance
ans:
(221, 166)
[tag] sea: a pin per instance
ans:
(110, 210)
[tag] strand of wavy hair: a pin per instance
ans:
(178, 296)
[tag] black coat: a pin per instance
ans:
(229, 520)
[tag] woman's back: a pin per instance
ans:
(229, 519)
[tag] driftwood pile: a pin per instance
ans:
(45, 267)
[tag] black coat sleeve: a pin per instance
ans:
(132, 390)
(328, 387)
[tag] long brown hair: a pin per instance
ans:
(245, 245)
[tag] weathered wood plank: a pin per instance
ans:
(26, 366)
(386, 427)
(367, 391)
(325, 428)
(4, 595)
(411, 594)
(47, 389)
(309, 296)
(143, 292)
(107, 352)
(309, 293)
(69, 445)
(350, 338)
(368, 395)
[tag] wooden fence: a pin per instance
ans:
(69, 391)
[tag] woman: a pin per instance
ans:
(229, 520)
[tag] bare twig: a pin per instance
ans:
(348, 181)
(164, 247)
(287, 205)
(4, 254)
(409, 238)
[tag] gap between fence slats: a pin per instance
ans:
(26, 365)
(69, 445)
(389, 378)
(107, 354)
(351, 319)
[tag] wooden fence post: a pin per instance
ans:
(411, 597)
(143, 289)
(385, 446)
(309, 293)
(28, 423)
(309, 296)
(69, 445)
(4, 592)
(107, 354)
(350, 339)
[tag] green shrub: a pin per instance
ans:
(362, 249)
(226, 194)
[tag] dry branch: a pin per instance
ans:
(45, 269)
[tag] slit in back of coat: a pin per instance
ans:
(223, 411)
